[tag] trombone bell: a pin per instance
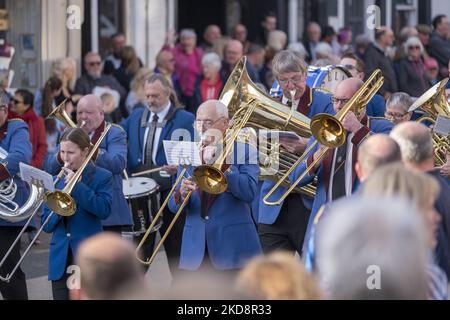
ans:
(328, 130)
(210, 179)
(60, 202)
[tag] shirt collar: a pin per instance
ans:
(162, 114)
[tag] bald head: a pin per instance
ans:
(233, 52)
(90, 113)
(345, 90)
(415, 142)
(108, 267)
(375, 151)
(212, 116)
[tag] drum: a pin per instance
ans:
(141, 194)
(326, 78)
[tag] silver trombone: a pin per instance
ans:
(39, 186)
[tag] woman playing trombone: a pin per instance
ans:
(93, 197)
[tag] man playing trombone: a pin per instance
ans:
(112, 156)
(219, 232)
(336, 169)
(14, 140)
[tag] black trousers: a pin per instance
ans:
(59, 287)
(16, 289)
(288, 230)
(172, 244)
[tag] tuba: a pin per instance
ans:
(329, 131)
(239, 94)
(59, 201)
(434, 103)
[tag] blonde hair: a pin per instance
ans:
(60, 65)
(137, 84)
(394, 180)
(278, 275)
(277, 40)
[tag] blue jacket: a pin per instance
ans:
(176, 119)
(112, 156)
(320, 103)
(93, 196)
(376, 106)
(228, 231)
(323, 172)
(15, 140)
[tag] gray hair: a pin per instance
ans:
(413, 41)
(288, 61)
(212, 59)
(188, 33)
(401, 99)
(415, 141)
(298, 47)
(363, 238)
(324, 50)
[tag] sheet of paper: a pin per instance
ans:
(442, 125)
(29, 173)
(182, 152)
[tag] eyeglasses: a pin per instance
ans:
(394, 115)
(293, 80)
(339, 100)
(206, 123)
(16, 101)
(94, 63)
(349, 66)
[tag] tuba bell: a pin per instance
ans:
(434, 103)
(239, 93)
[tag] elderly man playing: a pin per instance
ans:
(219, 232)
(112, 156)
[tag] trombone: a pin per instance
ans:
(209, 178)
(59, 201)
(329, 131)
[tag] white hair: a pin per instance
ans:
(188, 33)
(415, 143)
(324, 50)
(298, 47)
(414, 41)
(366, 238)
(212, 59)
(401, 99)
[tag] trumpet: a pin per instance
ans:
(329, 131)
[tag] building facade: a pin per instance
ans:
(44, 30)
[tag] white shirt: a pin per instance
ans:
(295, 103)
(348, 167)
(161, 116)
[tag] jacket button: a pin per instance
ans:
(207, 218)
(68, 235)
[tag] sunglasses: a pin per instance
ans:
(94, 63)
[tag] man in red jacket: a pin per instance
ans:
(22, 107)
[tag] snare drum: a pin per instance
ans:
(141, 194)
(326, 78)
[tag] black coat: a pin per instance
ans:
(375, 58)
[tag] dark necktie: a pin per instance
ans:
(338, 188)
(150, 140)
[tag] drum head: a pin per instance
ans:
(137, 187)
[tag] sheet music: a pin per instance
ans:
(442, 125)
(29, 173)
(182, 152)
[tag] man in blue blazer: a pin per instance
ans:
(219, 230)
(284, 226)
(15, 142)
(336, 171)
(112, 156)
(147, 128)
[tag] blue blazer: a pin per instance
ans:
(376, 106)
(228, 231)
(17, 143)
(176, 119)
(321, 103)
(112, 156)
(93, 196)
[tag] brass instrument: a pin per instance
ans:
(209, 178)
(239, 93)
(59, 201)
(61, 114)
(434, 103)
(329, 131)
